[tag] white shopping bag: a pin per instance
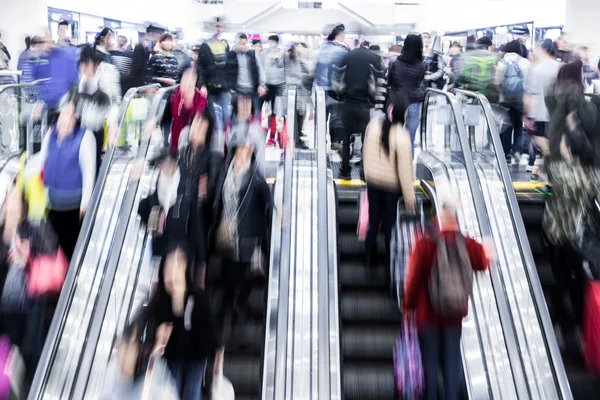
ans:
(221, 389)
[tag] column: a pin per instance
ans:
(21, 18)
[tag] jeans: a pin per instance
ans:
(432, 340)
(223, 100)
(413, 119)
(511, 136)
(356, 119)
(383, 209)
(188, 376)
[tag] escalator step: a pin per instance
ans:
(532, 213)
(363, 306)
(369, 381)
(536, 242)
(244, 371)
(349, 245)
(371, 342)
(256, 302)
(347, 216)
(356, 274)
(247, 338)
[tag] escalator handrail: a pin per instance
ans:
(512, 346)
(275, 362)
(60, 314)
(4, 88)
(155, 113)
(529, 262)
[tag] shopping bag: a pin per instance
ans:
(408, 367)
(408, 229)
(158, 382)
(591, 327)
(47, 273)
(221, 388)
(14, 293)
(363, 216)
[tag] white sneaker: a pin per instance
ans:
(529, 168)
(517, 158)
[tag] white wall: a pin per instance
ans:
(20, 18)
(582, 26)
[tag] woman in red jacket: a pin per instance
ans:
(437, 333)
(186, 102)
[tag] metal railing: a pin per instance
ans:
(523, 242)
(66, 296)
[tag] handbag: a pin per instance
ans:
(47, 273)
(221, 388)
(14, 293)
(363, 216)
(408, 365)
(158, 381)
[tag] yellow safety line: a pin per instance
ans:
(519, 186)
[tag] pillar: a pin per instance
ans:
(582, 27)
(21, 18)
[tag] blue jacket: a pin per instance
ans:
(331, 54)
(61, 66)
(62, 173)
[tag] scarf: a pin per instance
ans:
(228, 229)
(166, 189)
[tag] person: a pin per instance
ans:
(122, 58)
(589, 73)
(183, 60)
(434, 65)
(329, 57)
(241, 219)
(511, 73)
(453, 65)
(406, 79)
(27, 58)
(4, 51)
(139, 62)
(64, 34)
(296, 74)
(212, 76)
(246, 78)
(437, 333)
(186, 102)
(68, 159)
(540, 78)
(523, 35)
(104, 42)
(562, 51)
(122, 42)
(60, 66)
(389, 174)
(381, 81)
(163, 67)
(272, 61)
(170, 213)
(257, 46)
(477, 70)
(184, 328)
(359, 70)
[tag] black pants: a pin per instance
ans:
(236, 279)
(383, 210)
(67, 226)
(298, 127)
(356, 119)
(512, 142)
(273, 92)
(570, 279)
(99, 136)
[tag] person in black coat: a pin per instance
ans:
(242, 213)
(171, 213)
(178, 322)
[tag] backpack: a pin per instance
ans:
(512, 86)
(478, 73)
(451, 279)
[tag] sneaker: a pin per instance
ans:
(509, 159)
(539, 160)
(529, 168)
(336, 146)
(301, 146)
(517, 157)
(345, 175)
(534, 178)
(271, 142)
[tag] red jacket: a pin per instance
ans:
(416, 295)
(183, 115)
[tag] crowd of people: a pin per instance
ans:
(211, 198)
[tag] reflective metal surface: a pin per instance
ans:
(543, 364)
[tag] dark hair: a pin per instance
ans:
(274, 38)
(365, 44)
(64, 23)
(36, 39)
(88, 55)
(104, 33)
(547, 45)
(375, 47)
(256, 41)
(27, 42)
(399, 104)
(514, 47)
(598, 64)
(485, 41)
(412, 51)
(243, 36)
(303, 45)
(571, 73)
(165, 36)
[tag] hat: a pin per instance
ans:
(520, 30)
(339, 28)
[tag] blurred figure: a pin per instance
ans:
(64, 34)
(358, 71)
(453, 68)
(389, 174)
(523, 36)
(272, 61)
(562, 50)
(589, 73)
(186, 102)
(104, 42)
(242, 213)
(183, 60)
(212, 77)
(122, 58)
(195, 51)
(540, 78)
(406, 79)
(28, 59)
(381, 79)
(4, 54)
(257, 46)
(179, 318)
(329, 57)
(68, 156)
(477, 71)
(511, 73)
(434, 65)
(59, 64)
(296, 74)
(122, 43)
(139, 63)
(163, 67)
(439, 334)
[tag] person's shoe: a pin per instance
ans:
(529, 168)
(301, 146)
(345, 175)
(509, 159)
(271, 142)
(517, 157)
(539, 160)
(534, 178)
(303, 136)
(336, 146)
